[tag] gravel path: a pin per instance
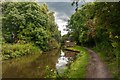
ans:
(96, 68)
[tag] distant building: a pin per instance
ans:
(69, 43)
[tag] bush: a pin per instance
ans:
(53, 44)
(18, 50)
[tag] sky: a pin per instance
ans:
(63, 11)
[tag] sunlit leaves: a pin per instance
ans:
(30, 22)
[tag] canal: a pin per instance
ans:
(34, 66)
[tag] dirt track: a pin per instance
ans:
(96, 68)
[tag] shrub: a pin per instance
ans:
(18, 50)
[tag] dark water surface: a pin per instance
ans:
(31, 66)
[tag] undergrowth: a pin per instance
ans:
(17, 50)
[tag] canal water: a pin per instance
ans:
(61, 65)
(30, 66)
(33, 66)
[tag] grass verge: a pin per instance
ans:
(78, 68)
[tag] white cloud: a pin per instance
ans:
(55, 0)
(63, 11)
(61, 23)
(89, 0)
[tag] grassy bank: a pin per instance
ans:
(78, 68)
(10, 51)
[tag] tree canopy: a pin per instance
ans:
(96, 21)
(30, 22)
(96, 25)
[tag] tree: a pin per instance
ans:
(28, 21)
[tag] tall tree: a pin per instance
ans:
(28, 21)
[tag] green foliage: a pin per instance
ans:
(78, 68)
(18, 50)
(97, 25)
(39, 36)
(53, 44)
(29, 21)
(64, 38)
(50, 73)
(97, 22)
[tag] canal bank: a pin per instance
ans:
(78, 68)
(75, 66)
(30, 66)
(58, 63)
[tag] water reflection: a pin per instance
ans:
(61, 64)
(33, 66)
(30, 66)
